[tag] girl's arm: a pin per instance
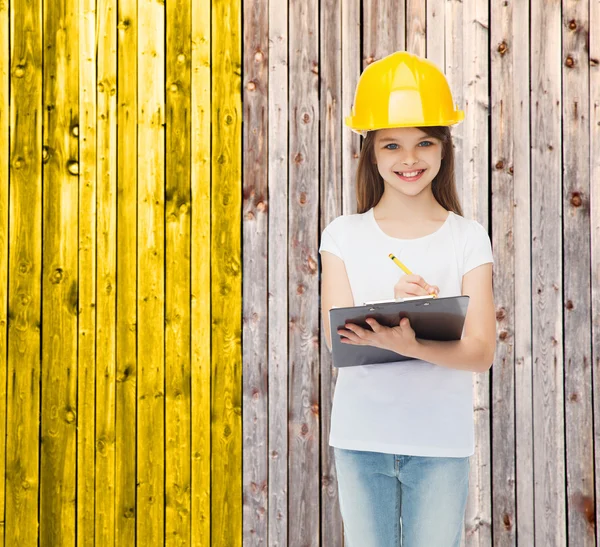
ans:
(335, 289)
(475, 351)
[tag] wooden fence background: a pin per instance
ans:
(154, 154)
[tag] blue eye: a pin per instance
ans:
(392, 144)
(426, 143)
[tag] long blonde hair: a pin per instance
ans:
(369, 184)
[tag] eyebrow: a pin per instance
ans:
(391, 139)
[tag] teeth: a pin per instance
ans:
(410, 173)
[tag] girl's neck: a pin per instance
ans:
(409, 209)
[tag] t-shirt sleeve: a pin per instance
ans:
(478, 247)
(329, 241)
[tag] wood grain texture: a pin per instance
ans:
(330, 192)
(25, 266)
(576, 276)
(470, 89)
(304, 412)
(255, 264)
(4, 203)
(384, 29)
(416, 23)
(436, 32)
(59, 274)
(106, 226)
(177, 281)
(503, 241)
(522, 265)
(127, 320)
(594, 165)
(277, 170)
(201, 271)
(547, 286)
(150, 521)
(351, 68)
(226, 281)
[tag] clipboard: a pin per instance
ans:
(431, 318)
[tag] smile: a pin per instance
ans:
(410, 176)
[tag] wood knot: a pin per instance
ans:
(506, 521)
(585, 504)
(503, 335)
(576, 199)
(302, 198)
(502, 48)
(306, 117)
(304, 430)
(300, 289)
(369, 60)
(574, 397)
(251, 86)
(572, 24)
(594, 62)
(298, 158)
(570, 62)
(511, 170)
(569, 305)
(499, 164)
(259, 56)
(500, 314)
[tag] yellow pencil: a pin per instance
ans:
(405, 269)
(400, 265)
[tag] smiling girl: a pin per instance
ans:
(402, 432)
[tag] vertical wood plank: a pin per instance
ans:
(594, 104)
(127, 321)
(25, 265)
(59, 273)
(522, 265)
(151, 363)
(177, 281)
(416, 22)
(226, 513)
(577, 305)
(304, 433)
(384, 29)
(330, 174)
(201, 267)
(4, 169)
(436, 34)
(548, 403)
(277, 169)
(503, 241)
(86, 356)
(351, 68)
(255, 289)
(106, 275)
(456, 53)
(467, 68)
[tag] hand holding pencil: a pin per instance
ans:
(411, 284)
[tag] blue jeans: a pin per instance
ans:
(385, 497)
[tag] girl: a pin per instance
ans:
(402, 432)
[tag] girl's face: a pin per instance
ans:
(407, 158)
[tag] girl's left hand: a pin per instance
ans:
(401, 339)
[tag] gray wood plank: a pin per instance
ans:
(278, 275)
(330, 174)
(576, 259)
(255, 279)
(304, 432)
(503, 226)
(548, 415)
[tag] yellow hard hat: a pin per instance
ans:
(402, 90)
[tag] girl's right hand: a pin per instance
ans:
(414, 285)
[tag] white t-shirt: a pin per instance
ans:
(409, 407)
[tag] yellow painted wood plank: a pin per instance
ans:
(59, 273)
(87, 275)
(126, 366)
(25, 261)
(178, 234)
(201, 292)
(106, 274)
(151, 367)
(226, 508)
(4, 148)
